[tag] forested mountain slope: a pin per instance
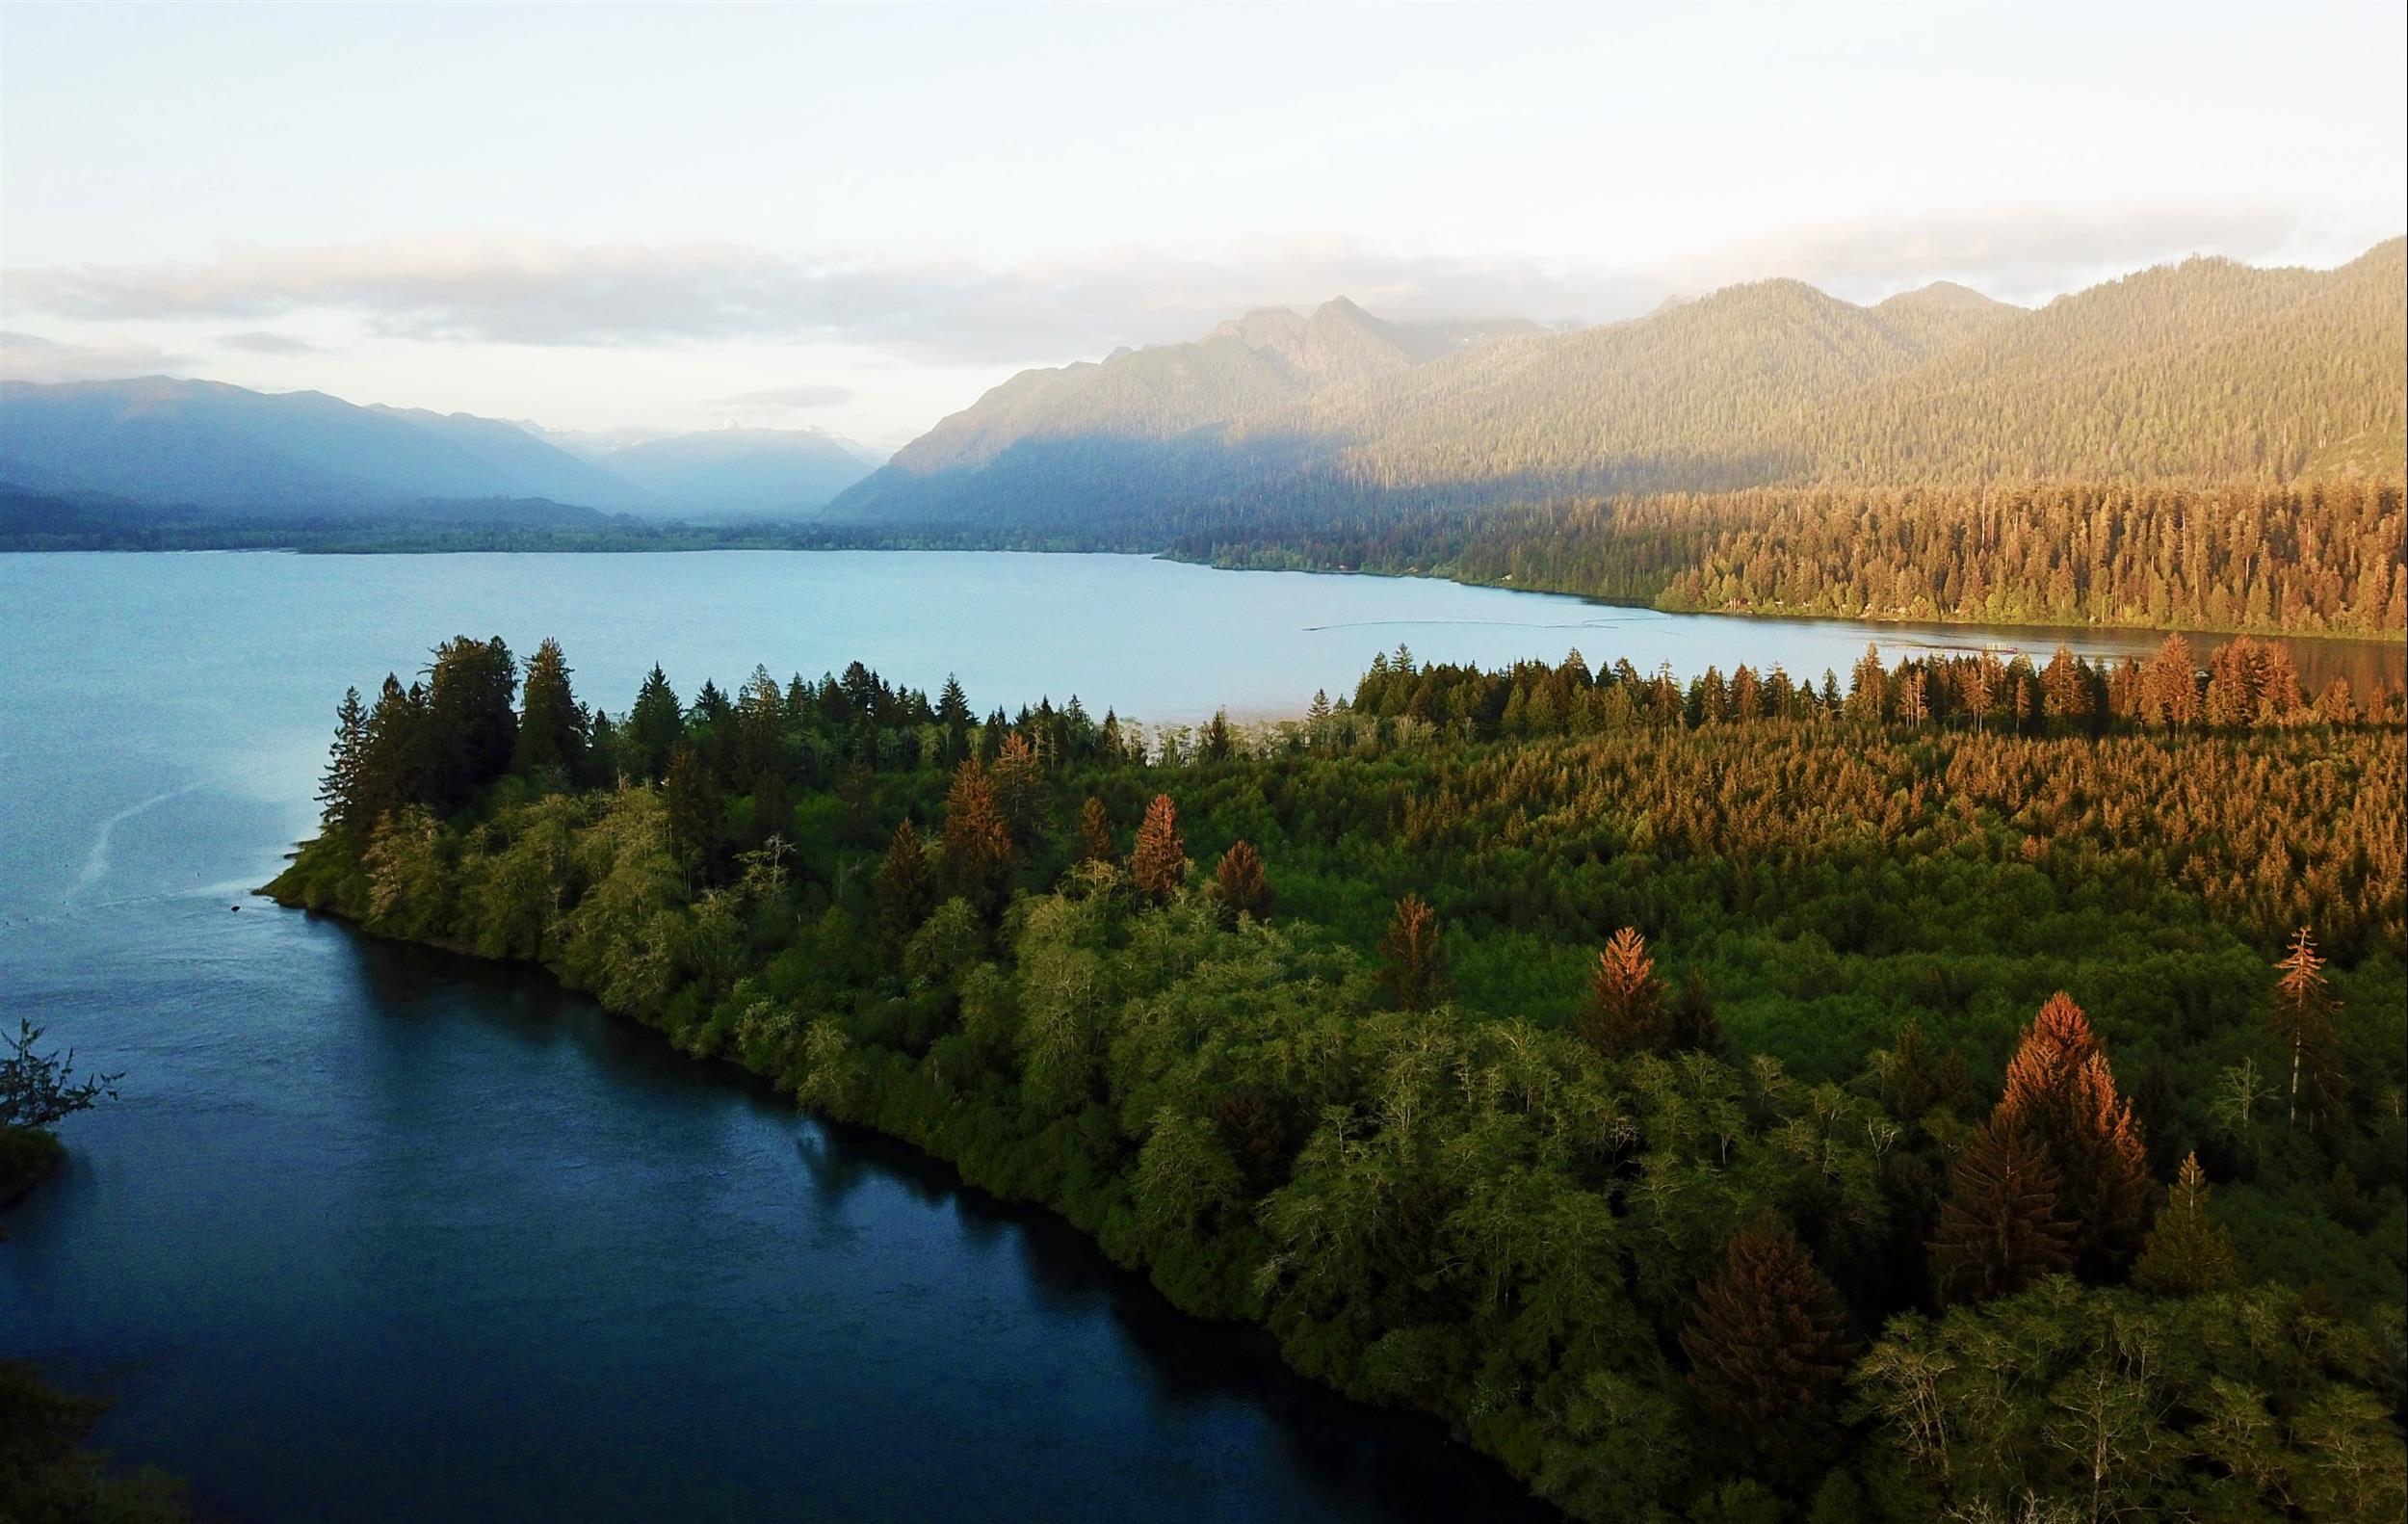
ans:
(2208, 369)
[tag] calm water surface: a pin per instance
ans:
(378, 1234)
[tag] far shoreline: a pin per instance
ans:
(1937, 625)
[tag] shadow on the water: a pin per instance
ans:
(1406, 1462)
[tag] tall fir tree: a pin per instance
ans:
(470, 728)
(978, 842)
(1095, 833)
(1413, 954)
(339, 787)
(1019, 783)
(392, 772)
(2302, 1021)
(1237, 880)
(1624, 1012)
(907, 891)
(1159, 864)
(689, 796)
(654, 728)
(551, 724)
(1768, 1345)
(2187, 1254)
(1999, 1230)
(2061, 1092)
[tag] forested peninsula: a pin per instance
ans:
(1961, 1088)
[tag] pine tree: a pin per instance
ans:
(691, 796)
(1217, 745)
(470, 728)
(905, 891)
(977, 843)
(2061, 1092)
(551, 725)
(1766, 1341)
(1095, 833)
(1912, 1078)
(1159, 865)
(2186, 1254)
(1999, 1230)
(654, 728)
(1624, 1013)
(1412, 956)
(1240, 883)
(1691, 1024)
(2302, 1020)
(1019, 784)
(392, 769)
(340, 785)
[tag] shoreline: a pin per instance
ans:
(2385, 639)
(921, 1153)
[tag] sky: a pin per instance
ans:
(860, 218)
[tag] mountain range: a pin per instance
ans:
(241, 454)
(2207, 368)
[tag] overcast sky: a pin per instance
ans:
(861, 218)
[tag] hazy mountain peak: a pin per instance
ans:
(1943, 294)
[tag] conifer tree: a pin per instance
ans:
(1766, 1341)
(392, 769)
(691, 796)
(1159, 865)
(654, 728)
(977, 843)
(1217, 745)
(1999, 1230)
(1912, 1077)
(905, 891)
(2186, 1254)
(470, 728)
(1624, 1013)
(551, 725)
(340, 785)
(1240, 883)
(1019, 784)
(772, 808)
(1095, 833)
(1412, 956)
(1690, 1020)
(2302, 1020)
(952, 705)
(2061, 1092)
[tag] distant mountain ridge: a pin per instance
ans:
(2205, 368)
(207, 445)
(736, 472)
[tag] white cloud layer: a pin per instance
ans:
(500, 289)
(32, 358)
(807, 394)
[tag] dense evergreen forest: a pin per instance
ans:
(1956, 1090)
(2311, 557)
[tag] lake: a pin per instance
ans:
(376, 1234)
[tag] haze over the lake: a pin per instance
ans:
(861, 218)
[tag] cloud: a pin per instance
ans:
(32, 358)
(542, 292)
(2017, 253)
(258, 342)
(807, 394)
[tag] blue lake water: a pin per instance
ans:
(378, 1234)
